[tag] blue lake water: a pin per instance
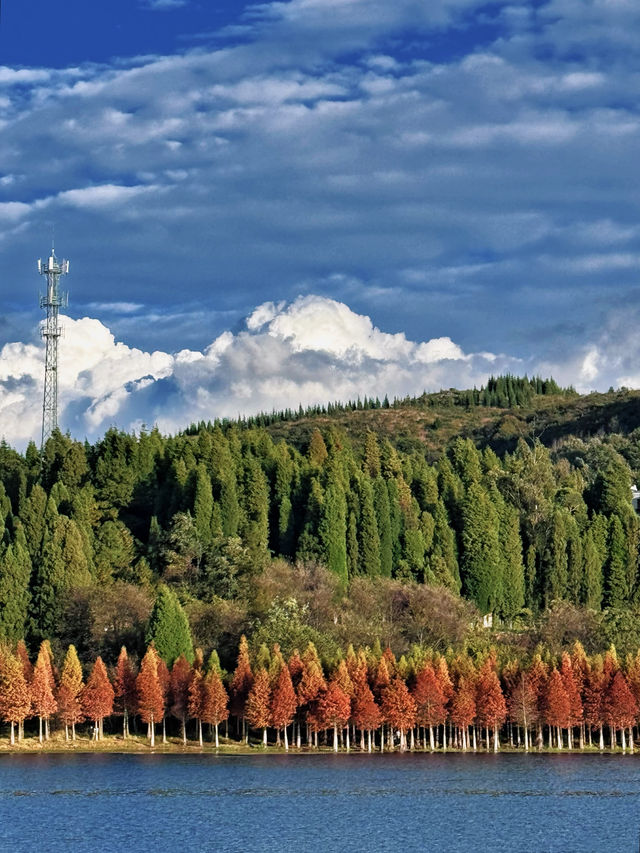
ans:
(445, 803)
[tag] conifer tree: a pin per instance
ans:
(332, 530)
(149, 690)
(15, 701)
(15, 571)
(283, 702)
(181, 676)
(334, 709)
(616, 591)
(70, 692)
(491, 708)
(214, 701)
(383, 520)
(42, 691)
(97, 698)
(124, 687)
(399, 708)
(430, 701)
(169, 628)
(196, 700)
(480, 562)
(241, 684)
(258, 709)
(203, 505)
(368, 536)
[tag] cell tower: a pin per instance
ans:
(53, 300)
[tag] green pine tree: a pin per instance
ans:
(168, 628)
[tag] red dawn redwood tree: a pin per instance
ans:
(399, 708)
(343, 680)
(124, 687)
(258, 708)
(441, 670)
(15, 702)
(557, 707)
(97, 697)
(283, 702)
(334, 709)
(430, 701)
(42, 690)
(312, 683)
(181, 676)
(69, 692)
(620, 709)
(196, 700)
(522, 703)
(573, 694)
(463, 708)
(164, 677)
(296, 671)
(27, 671)
(364, 711)
(241, 684)
(593, 702)
(537, 675)
(149, 689)
(491, 708)
(214, 701)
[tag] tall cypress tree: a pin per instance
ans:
(332, 530)
(616, 591)
(168, 628)
(383, 519)
(480, 558)
(368, 536)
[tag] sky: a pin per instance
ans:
(294, 202)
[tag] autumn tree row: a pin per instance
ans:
(371, 699)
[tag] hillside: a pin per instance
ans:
(397, 522)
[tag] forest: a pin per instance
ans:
(493, 525)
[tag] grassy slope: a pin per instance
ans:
(433, 425)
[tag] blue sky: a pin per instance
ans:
(445, 189)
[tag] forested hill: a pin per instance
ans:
(357, 523)
(495, 416)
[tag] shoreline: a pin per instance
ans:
(139, 746)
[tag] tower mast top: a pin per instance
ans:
(51, 301)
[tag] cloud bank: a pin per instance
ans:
(311, 350)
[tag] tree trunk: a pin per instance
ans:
(217, 742)
(40, 729)
(12, 738)
(286, 740)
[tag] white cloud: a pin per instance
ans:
(310, 351)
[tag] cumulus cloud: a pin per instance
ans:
(311, 350)
(308, 351)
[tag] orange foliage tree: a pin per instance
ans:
(124, 686)
(69, 693)
(258, 708)
(15, 703)
(241, 684)
(181, 676)
(150, 696)
(399, 708)
(430, 701)
(215, 701)
(42, 690)
(97, 697)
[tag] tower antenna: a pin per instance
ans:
(52, 301)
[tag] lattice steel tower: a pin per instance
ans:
(53, 300)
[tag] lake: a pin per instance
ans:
(413, 802)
